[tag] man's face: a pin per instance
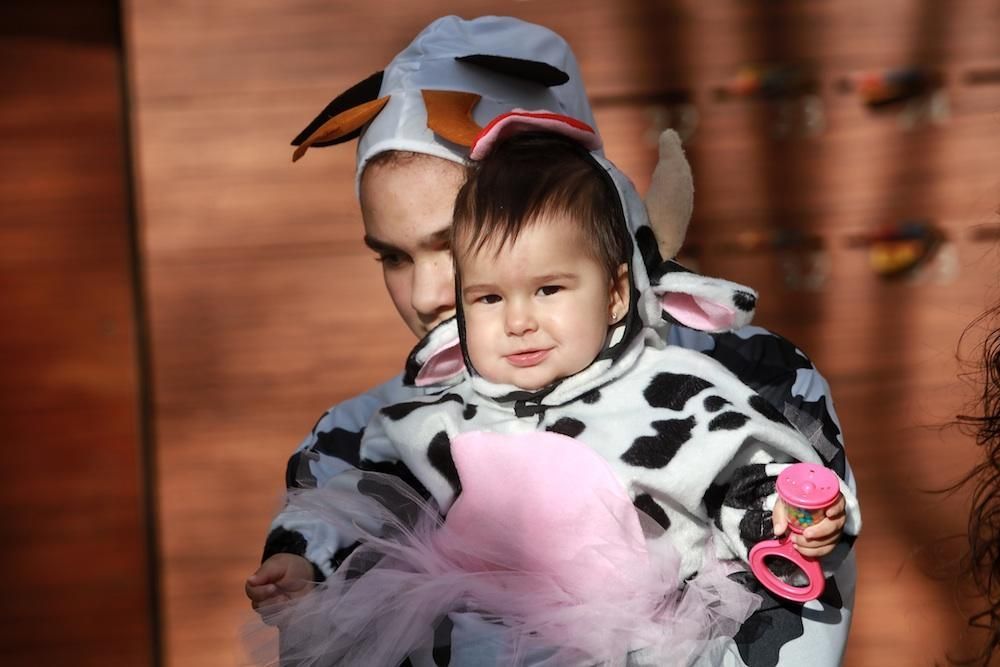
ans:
(407, 207)
(538, 310)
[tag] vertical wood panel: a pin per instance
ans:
(74, 557)
(262, 293)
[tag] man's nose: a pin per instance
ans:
(433, 289)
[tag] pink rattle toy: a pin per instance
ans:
(807, 490)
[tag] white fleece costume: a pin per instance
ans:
(778, 633)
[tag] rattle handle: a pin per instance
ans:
(784, 548)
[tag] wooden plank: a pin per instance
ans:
(75, 550)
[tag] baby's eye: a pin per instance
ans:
(489, 298)
(549, 290)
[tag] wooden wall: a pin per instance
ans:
(75, 552)
(266, 308)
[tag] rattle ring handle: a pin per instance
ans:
(783, 548)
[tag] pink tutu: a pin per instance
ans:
(543, 542)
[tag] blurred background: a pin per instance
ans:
(180, 302)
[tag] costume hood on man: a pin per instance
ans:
(436, 94)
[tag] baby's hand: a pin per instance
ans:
(816, 541)
(280, 578)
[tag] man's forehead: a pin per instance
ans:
(432, 239)
(436, 238)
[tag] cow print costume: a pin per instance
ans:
(696, 442)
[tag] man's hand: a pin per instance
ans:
(280, 578)
(818, 540)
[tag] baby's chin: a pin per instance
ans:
(534, 386)
(522, 381)
(527, 382)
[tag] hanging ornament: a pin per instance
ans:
(915, 93)
(791, 92)
(770, 82)
(900, 249)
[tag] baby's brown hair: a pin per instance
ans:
(534, 174)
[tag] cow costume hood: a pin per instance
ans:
(436, 94)
(662, 293)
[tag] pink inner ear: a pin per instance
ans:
(444, 364)
(697, 313)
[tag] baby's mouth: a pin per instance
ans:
(527, 358)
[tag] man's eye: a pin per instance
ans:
(489, 298)
(549, 290)
(390, 259)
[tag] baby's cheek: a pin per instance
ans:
(479, 347)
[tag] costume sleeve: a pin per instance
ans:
(747, 499)
(785, 377)
(333, 446)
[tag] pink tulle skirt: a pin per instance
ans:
(575, 584)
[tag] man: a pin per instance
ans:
(415, 121)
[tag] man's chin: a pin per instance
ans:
(420, 329)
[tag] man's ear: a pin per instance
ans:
(619, 302)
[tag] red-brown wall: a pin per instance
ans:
(264, 307)
(75, 557)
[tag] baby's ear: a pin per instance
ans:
(437, 359)
(707, 304)
(620, 294)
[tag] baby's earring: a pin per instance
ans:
(614, 316)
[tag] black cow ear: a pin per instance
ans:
(356, 95)
(529, 70)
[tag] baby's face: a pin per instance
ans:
(538, 310)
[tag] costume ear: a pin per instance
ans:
(529, 70)
(437, 358)
(703, 303)
(343, 118)
(449, 115)
(342, 127)
(670, 198)
(445, 363)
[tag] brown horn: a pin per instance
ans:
(449, 115)
(343, 123)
